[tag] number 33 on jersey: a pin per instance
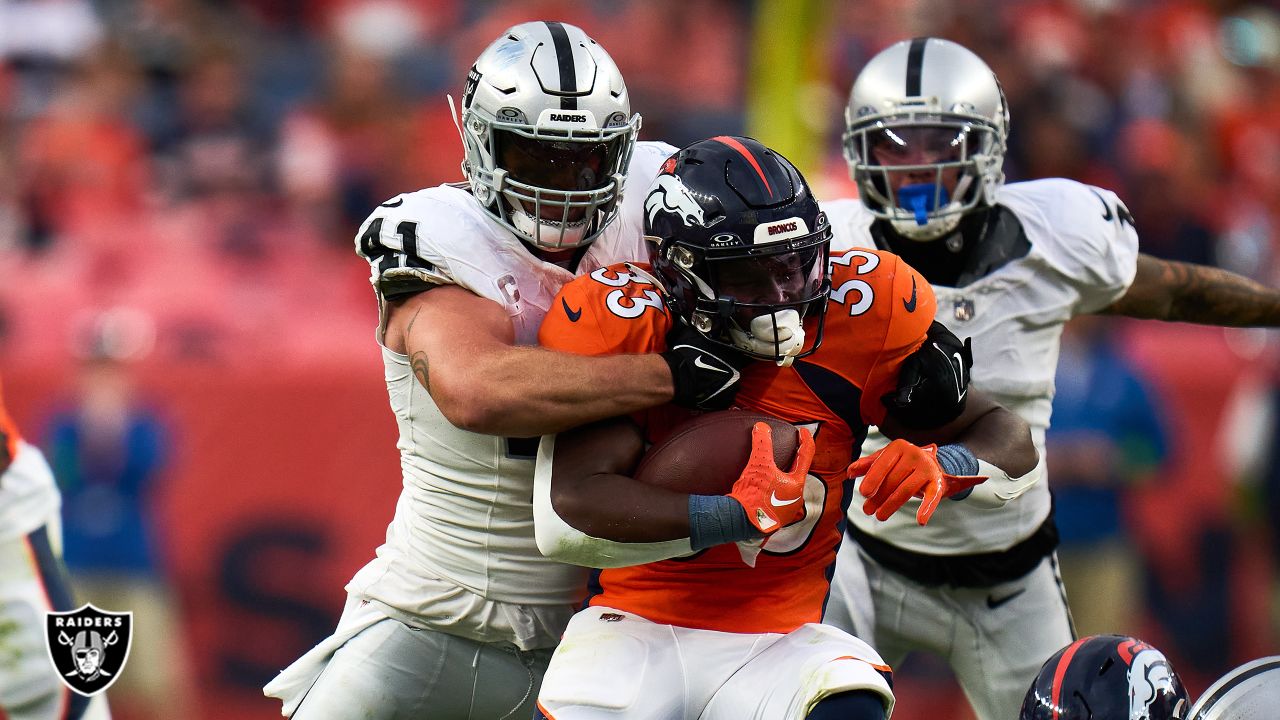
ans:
(878, 314)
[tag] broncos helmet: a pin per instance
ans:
(547, 134)
(925, 133)
(1106, 677)
(742, 247)
(1250, 692)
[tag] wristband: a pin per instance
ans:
(717, 519)
(956, 459)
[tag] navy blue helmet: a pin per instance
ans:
(1106, 677)
(742, 247)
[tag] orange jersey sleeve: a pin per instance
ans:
(8, 434)
(879, 312)
(611, 311)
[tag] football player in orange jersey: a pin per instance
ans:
(33, 582)
(709, 606)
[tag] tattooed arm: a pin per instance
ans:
(462, 349)
(1183, 292)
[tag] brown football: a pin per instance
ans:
(705, 455)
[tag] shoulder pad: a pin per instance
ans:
(879, 313)
(1085, 232)
(614, 309)
(411, 241)
(850, 224)
(624, 238)
(651, 153)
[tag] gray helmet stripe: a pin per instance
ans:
(568, 73)
(1207, 703)
(915, 63)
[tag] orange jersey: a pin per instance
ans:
(8, 434)
(879, 311)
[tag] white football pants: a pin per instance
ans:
(995, 638)
(614, 665)
(377, 668)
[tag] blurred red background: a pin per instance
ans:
(204, 165)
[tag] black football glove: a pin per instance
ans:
(933, 382)
(705, 373)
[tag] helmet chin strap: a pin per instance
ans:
(457, 123)
(779, 335)
(454, 115)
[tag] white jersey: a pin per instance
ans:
(464, 518)
(1082, 257)
(29, 497)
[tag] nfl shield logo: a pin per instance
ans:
(88, 647)
(964, 309)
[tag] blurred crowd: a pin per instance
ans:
(203, 164)
(207, 161)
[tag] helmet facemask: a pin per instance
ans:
(754, 299)
(921, 172)
(557, 188)
(547, 134)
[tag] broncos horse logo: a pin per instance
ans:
(670, 195)
(1151, 681)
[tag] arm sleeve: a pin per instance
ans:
(561, 541)
(1000, 488)
(581, 321)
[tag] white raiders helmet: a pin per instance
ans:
(925, 132)
(1250, 692)
(547, 134)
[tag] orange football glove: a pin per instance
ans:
(773, 499)
(900, 471)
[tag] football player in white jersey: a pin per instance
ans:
(33, 582)
(457, 614)
(925, 137)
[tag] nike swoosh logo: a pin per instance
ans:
(1106, 209)
(573, 316)
(396, 203)
(911, 304)
(698, 363)
(994, 603)
(957, 371)
(773, 500)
